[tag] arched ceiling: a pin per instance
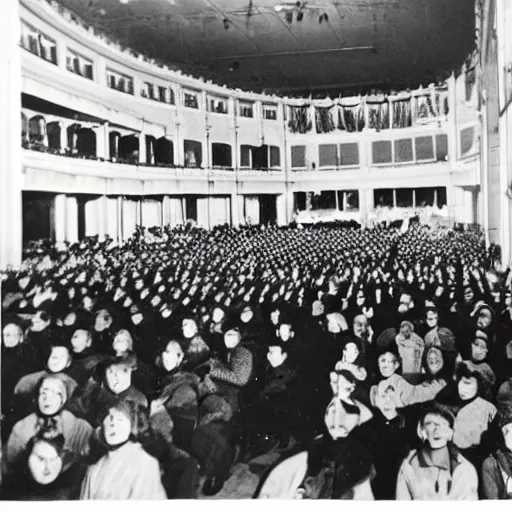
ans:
(249, 44)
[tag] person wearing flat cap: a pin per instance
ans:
(437, 470)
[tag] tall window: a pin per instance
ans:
(270, 112)
(217, 105)
(246, 109)
(191, 99)
(79, 65)
(119, 82)
(38, 43)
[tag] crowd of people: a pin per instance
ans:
(375, 362)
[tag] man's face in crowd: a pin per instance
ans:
(437, 430)
(12, 335)
(80, 340)
(432, 317)
(59, 359)
(38, 323)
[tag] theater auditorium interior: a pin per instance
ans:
(256, 249)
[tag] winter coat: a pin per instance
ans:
(419, 479)
(128, 473)
(496, 482)
(472, 421)
(179, 395)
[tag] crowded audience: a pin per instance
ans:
(372, 363)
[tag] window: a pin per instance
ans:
(246, 109)
(441, 147)
(270, 112)
(348, 200)
(79, 65)
(162, 94)
(383, 197)
(119, 82)
(425, 196)
(260, 157)
(298, 157)
(221, 155)
(218, 105)
(404, 197)
(190, 99)
(299, 201)
(245, 156)
(148, 91)
(326, 200)
(403, 151)
(275, 157)
(441, 197)
(172, 96)
(424, 148)
(193, 151)
(37, 43)
(349, 154)
(381, 151)
(327, 155)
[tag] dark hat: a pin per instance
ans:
(439, 409)
(231, 321)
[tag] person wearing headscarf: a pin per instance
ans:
(51, 419)
(127, 471)
(46, 473)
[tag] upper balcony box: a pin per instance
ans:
(191, 98)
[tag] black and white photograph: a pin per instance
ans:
(255, 250)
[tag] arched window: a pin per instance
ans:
(53, 130)
(129, 149)
(37, 129)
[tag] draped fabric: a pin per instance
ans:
(252, 210)
(300, 119)
(325, 119)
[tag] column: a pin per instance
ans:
(281, 209)
(63, 125)
(235, 210)
(102, 141)
(142, 148)
(11, 178)
(119, 219)
(166, 210)
(60, 218)
(71, 219)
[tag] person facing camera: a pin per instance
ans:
(437, 470)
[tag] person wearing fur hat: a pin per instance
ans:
(114, 382)
(50, 419)
(335, 465)
(123, 425)
(196, 349)
(437, 470)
